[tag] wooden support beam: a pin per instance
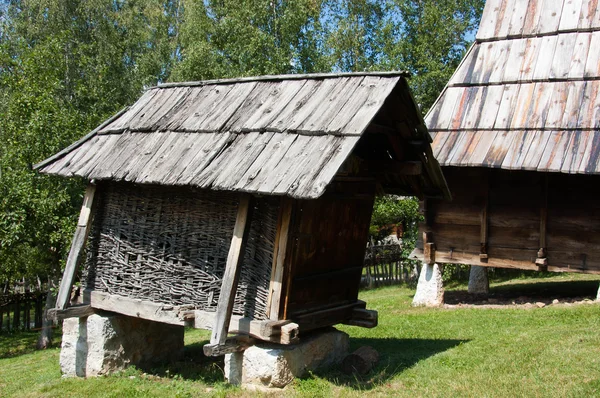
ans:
(229, 346)
(277, 270)
(542, 252)
(363, 318)
(77, 247)
(316, 319)
(266, 330)
(78, 311)
(408, 168)
(233, 267)
(428, 248)
(484, 222)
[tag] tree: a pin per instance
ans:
(245, 38)
(64, 67)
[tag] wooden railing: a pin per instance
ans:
(385, 264)
(21, 311)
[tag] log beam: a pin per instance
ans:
(277, 270)
(233, 268)
(78, 311)
(77, 248)
(407, 168)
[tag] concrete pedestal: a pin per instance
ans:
(598, 295)
(275, 366)
(101, 344)
(430, 289)
(478, 281)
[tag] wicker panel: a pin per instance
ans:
(169, 245)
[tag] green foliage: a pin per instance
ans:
(389, 210)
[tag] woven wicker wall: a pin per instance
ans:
(169, 245)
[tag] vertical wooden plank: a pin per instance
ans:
(563, 56)
(551, 11)
(588, 11)
(489, 19)
(543, 218)
(235, 258)
(77, 247)
(532, 18)
(543, 63)
(569, 18)
(277, 270)
(532, 49)
(580, 55)
(592, 64)
(484, 221)
(514, 61)
(503, 25)
(517, 21)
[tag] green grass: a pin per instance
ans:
(541, 352)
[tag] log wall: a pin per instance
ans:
(508, 216)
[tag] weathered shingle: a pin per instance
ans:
(526, 94)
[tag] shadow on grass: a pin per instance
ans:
(395, 356)
(14, 344)
(193, 366)
(519, 293)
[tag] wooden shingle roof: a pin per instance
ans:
(525, 96)
(278, 135)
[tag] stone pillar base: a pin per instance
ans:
(598, 295)
(274, 366)
(101, 344)
(430, 289)
(478, 281)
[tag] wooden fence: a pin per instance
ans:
(22, 311)
(386, 265)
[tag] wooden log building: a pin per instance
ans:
(242, 205)
(517, 133)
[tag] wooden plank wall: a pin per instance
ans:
(326, 251)
(516, 200)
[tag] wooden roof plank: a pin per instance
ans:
(515, 150)
(516, 55)
(264, 165)
(517, 21)
(586, 151)
(558, 103)
(574, 152)
(376, 92)
(123, 121)
(524, 101)
(573, 105)
(160, 119)
(593, 160)
(149, 143)
(503, 24)
(532, 18)
(569, 18)
(303, 96)
(215, 143)
(150, 109)
(274, 104)
(98, 156)
(555, 152)
(204, 104)
(331, 106)
(483, 146)
(330, 168)
(484, 62)
(169, 154)
(588, 11)
(253, 146)
(441, 118)
(592, 64)
(563, 56)
(466, 95)
(498, 149)
(221, 112)
(532, 49)
(65, 163)
(251, 105)
(522, 149)
(589, 107)
(464, 73)
(499, 63)
(444, 150)
(539, 107)
(576, 69)
(551, 11)
(459, 147)
(546, 53)
(536, 149)
(491, 105)
(188, 109)
(507, 106)
(474, 108)
(470, 144)
(438, 142)
(489, 19)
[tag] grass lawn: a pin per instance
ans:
(537, 352)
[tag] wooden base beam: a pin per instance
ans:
(78, 311)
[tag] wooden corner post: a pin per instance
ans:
(235, 258)
(77, 248)
(281, 240)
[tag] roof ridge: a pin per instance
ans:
(282, 77)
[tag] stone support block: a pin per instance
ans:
(430, 289)
(478, 280)
(102, 344)
(275, 366)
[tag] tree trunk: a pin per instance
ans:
(45, 339)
